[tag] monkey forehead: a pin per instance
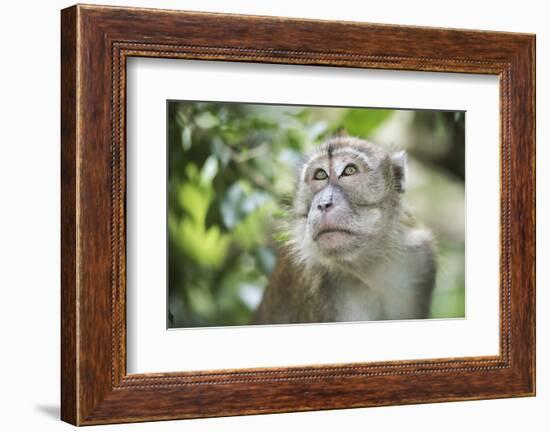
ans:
(371, 154)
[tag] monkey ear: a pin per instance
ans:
(341, 132)
(399, 169)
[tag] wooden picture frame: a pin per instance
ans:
(96, 41)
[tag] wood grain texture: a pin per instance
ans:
(69, 364)
(96, 41)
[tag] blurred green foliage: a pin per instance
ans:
(230, 178)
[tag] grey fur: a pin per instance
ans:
(355, 253)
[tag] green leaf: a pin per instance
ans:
(206, 120)
(362, 122)
(209, 170)
(186, 138)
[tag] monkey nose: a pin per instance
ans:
(324, 206)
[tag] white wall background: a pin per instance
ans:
(29, 215)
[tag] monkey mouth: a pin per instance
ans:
(332, 230)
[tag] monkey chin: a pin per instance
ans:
(335, 243)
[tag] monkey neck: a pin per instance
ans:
(366, 266)
(380, 287)
(345, 297)
(349, 273)
(359, 293)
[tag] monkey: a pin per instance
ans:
(354, 252)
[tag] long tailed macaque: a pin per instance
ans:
(355, 253)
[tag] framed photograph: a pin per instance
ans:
(263, 214)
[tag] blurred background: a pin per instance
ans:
(230, 173)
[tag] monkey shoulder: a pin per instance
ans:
(283, 298)
(418, 239)
(420, 251)
(421, 263)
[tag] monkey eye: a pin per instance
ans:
(349, 170)
(320, 175)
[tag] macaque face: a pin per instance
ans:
(347, 195)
